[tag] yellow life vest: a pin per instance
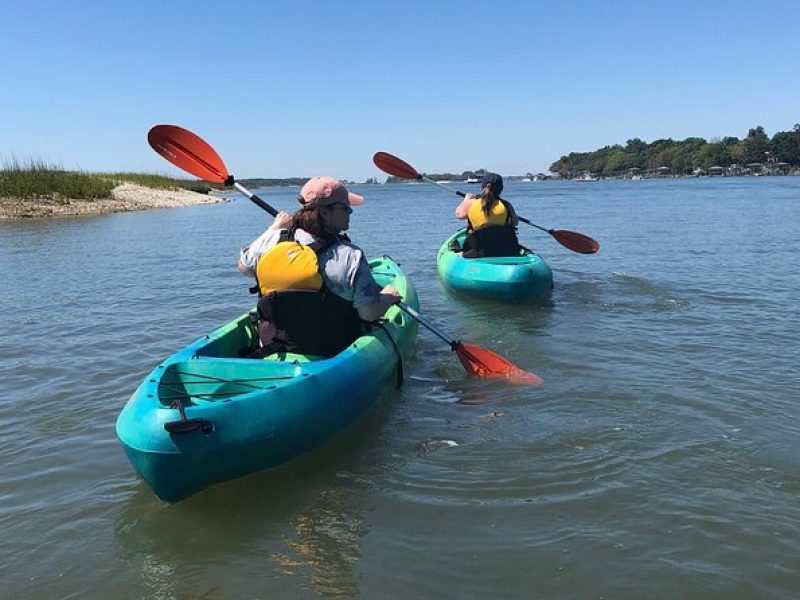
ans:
(288, 266)
(498, 215)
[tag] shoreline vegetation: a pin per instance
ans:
(755, 155)
(37, 190)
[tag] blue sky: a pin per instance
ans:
(300, 88)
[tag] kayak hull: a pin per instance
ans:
(508, 279)
(253, 414)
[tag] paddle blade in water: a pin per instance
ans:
(485, 363)
(575, 241)
(392, 165)
(187, 151)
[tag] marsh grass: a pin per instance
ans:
(36, 178)
(161, 181)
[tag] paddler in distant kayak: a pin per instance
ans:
(316, 290)
(491, 221)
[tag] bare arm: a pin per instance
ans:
(249, 255)
(282, 220)
(462, 210)
(374, 311)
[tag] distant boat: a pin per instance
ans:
(473, 180)
(443, 181)
(527, 179)
(585, 177)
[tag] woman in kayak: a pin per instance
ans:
(319, 258)
(491, 221)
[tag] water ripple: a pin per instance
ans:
(661, 446)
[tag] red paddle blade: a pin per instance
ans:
(484, 363)
(575, 241)
(187, 151)
(392, 165)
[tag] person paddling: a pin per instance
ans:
(317, 291)
(491, 221)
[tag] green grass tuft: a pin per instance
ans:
(39, 179)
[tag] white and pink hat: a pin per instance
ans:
(320, 191)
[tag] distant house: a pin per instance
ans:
(735, 170)
(716, 171)
(755, 168)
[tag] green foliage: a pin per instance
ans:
(786, 145)
(756, 145)
(619, 161)
(683, 157)
(37, 179)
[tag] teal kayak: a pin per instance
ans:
(204, 415)
(507, 278)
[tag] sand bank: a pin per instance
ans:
(125, 197)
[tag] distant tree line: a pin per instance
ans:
(685, 156)
(477, 174)
(260, 182)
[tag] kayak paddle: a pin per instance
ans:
(194, 155)
(577, 242)
(189, 152)
(476, 360)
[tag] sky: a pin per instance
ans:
(299, 88)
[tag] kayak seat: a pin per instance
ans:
(308, 322)
(291, 321)
(490, 241)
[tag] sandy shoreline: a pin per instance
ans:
(125, 197)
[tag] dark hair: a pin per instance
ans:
(309, 218)
(491, 188)
(495, 181)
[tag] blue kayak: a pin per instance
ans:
(506, 278)
(205, 415)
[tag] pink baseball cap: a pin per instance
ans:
(327, 190)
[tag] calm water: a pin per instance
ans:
(659, 458)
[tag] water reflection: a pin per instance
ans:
(451, 385)
(298, 527)
(323, 547)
